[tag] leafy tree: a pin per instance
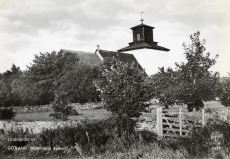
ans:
(7, 96)
(191, 82)
(43, 75)
(77, 85)
(165, 83)
(60, 72)
(225, 90)
(124, 88)
(26, 89)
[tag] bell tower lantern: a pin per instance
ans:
(143, 39)
(142, 33)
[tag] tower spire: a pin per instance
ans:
(142, 18)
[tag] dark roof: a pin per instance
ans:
(86, 57)
(123, 57)
(94, 60)
(141, 25)
(143, 45)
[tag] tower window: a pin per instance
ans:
(138, 37)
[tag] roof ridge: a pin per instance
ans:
(74, 51)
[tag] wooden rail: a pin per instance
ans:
(177, 124)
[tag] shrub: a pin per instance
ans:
(60, 108)
(225, 91)
(91, 137)
(124, 88)
(7, 113)
(199, 143)
(73, 112)
(7, 146)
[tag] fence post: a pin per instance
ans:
(159, 122)
(202, 116)
(13, 126)
(180, 115)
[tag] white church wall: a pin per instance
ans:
(150, 59)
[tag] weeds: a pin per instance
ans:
(102, 139)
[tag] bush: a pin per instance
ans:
(7, 113)
(5, 142)
(73, 112)
(124, 88)
(88, 138)
(60, 108)
(199, 143)
(225, 99)
(225, 90)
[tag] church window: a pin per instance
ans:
(138, 37)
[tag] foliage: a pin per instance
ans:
(88, 138)
(124, 88)
(5, 143)
(191, 82)
(7, 95)
(97, 138)
(165, 83)
(225, 91)
(45, 71)
(77, 85)
(57, 71)
(200, 144)
(73, 112)
(61, 110)
(7, 113)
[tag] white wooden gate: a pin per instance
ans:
(176, 124)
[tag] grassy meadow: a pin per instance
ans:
(44, 116)
(102, 114)
(93, 139)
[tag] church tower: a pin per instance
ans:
(143, 39)
(147, 51)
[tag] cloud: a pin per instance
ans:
(197, 13)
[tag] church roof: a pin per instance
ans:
(94, 59)
(86, 57)
(142, 25)
(143, 45)
(123, 57)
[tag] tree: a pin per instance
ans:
(77, 85)
(27, 89)
(7, 96)
(192, 82)
(42, 76)
(225, 90)
(124, 88)
(166, 85)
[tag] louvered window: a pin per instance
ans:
(138, 37)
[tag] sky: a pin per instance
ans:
(28, 27)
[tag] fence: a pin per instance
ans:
(175, 124)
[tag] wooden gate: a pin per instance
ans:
(176, 124)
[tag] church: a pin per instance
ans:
(148, 53)
(143, 51)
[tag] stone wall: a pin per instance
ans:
(34, 127)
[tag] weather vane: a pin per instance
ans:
(142, 18)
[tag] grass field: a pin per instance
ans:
(44, 116)
(101, 113)
(138, 149)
